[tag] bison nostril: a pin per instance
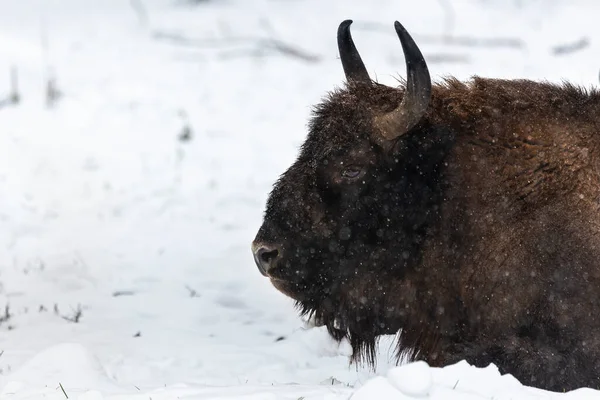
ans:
(265, 257)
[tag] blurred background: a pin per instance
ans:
(139, 140)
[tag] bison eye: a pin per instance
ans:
(352, 172)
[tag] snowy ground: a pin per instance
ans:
(125, 252)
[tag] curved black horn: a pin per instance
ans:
(417, 95)
(354, 68)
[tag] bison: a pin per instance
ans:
(463, 215)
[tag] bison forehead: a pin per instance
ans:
(344, 118)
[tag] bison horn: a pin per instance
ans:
(416, 96)
(354, 68)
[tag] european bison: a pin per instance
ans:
(464, 215)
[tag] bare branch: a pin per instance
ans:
(181, 40)
(77, 314)
(193, 292)
(289, 50)
(140, 10)
(51, 89)
(186, 133)
(14, 86)
(118, 293)
(53, 94)
(14, 97)
(250, 46)
(561, 50)
(449, 17)
(467, 41)
(438, 58)
(283, 47)
(6, 316)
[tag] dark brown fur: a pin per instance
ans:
(477, 233)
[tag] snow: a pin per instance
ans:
(125, 252)
(413, 379)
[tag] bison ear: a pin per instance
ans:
(416, 96)
(354, 68)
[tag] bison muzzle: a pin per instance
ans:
(463, 215)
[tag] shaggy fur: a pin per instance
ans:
(476, 234)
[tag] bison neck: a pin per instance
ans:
(512, 268)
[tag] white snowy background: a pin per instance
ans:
(125, 260)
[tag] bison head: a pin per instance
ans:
(345, 224)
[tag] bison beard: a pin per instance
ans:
(464, 216)
(361, 314)
(360, 322)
